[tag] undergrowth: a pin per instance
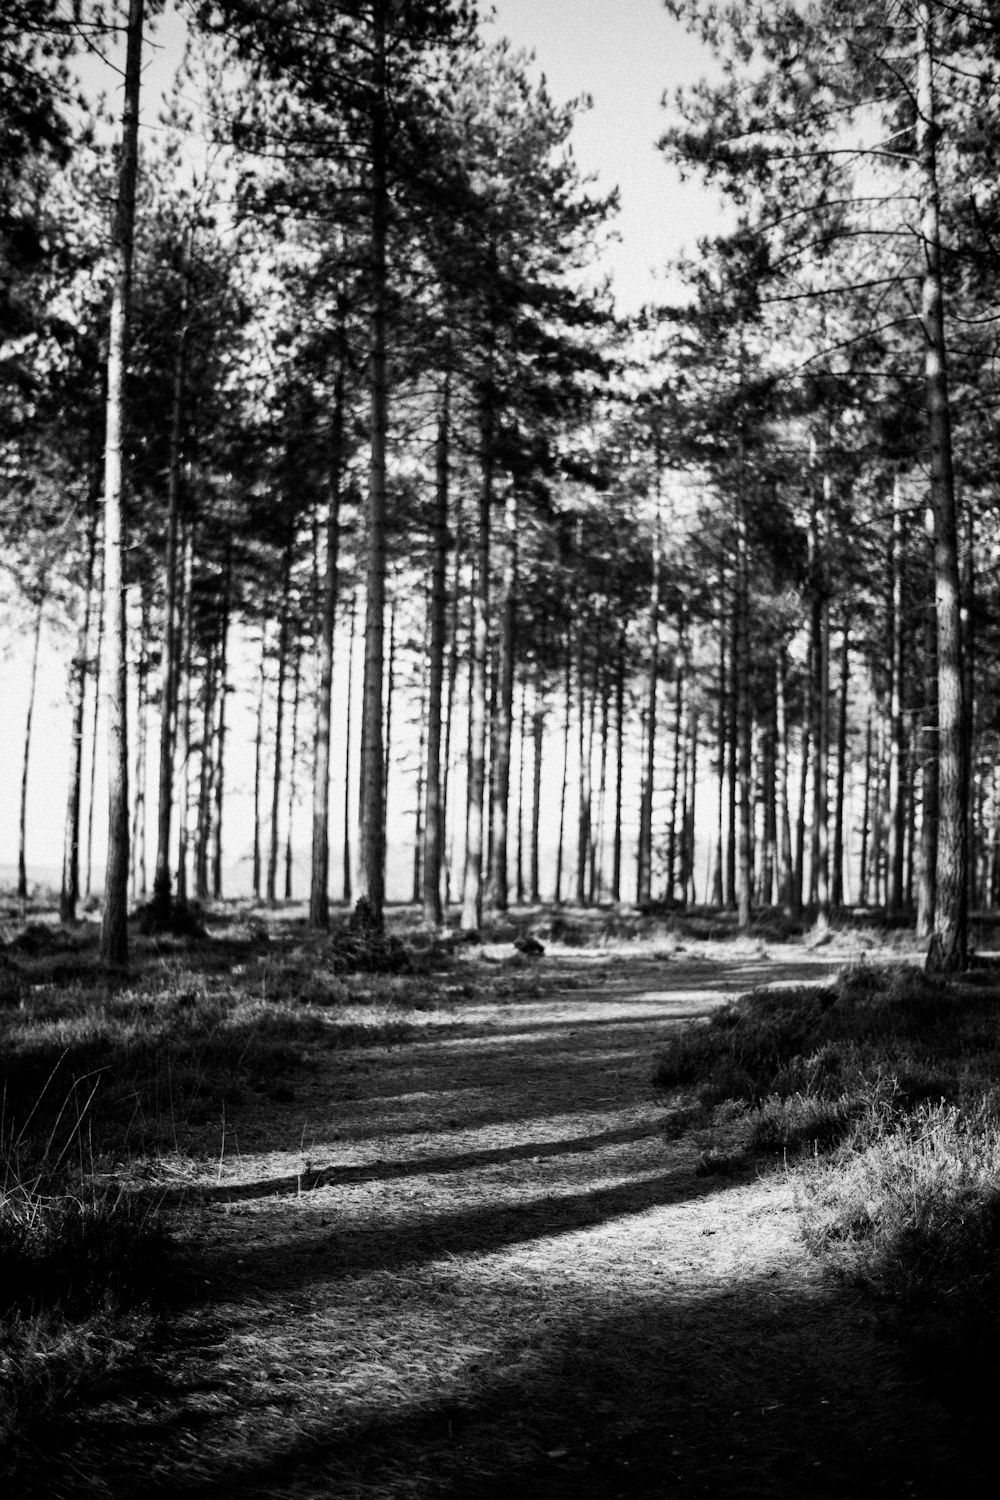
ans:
(101, 1081)
(882, 1092)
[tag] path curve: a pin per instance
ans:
(478, 1264)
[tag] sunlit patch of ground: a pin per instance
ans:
(477, 1264)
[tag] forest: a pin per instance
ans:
(410, 599)
(532, 600)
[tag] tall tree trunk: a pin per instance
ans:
(567, 699)
(602, 687)
(293, 758)
(644, 871)
(279, 724)
(837, 882)
(434, 829)
(679, 749)
(785, 862)
(371, 853)
(95, 719)
(472, 893)
(258, 768)
(522, 740)
(744, 719)
(896, 809)
(348, 859)
(877, 814)
(319, 873)
(171, 646)
(819, 876)
(805, 746)
(538, 742)
(718, 896)
(732, 759)
(220, 747)
(927, 882)
(69, 894)
(968, 620)
(184, 716)
(418, 834)
(584, 830)
(449, 719)
(948, 950)
(505, 710)
(616, 851)
(206, 775)
(690, 895)
(390, 700)
(138, 841)
(769, 778)
(864, 871)
(22, 868)
(114, 925)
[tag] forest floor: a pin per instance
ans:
(488, 1260)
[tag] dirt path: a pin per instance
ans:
(478, 1265)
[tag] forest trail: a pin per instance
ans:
(478, 1264)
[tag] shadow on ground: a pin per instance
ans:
(746, 1391)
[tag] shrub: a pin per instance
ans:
(888, 1081)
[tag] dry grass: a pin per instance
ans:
(887, 1084)
(453, 1244)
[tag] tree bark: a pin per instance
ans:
(258, 762)
(718, 896)
(22, 868)
(785, 861)
(348, 864)
(927, 880)
(644, 862)
(863, 867)
(538, 743)
(390, 701)
(602, 687)
(293, 759)
(616, 850)
(472, 893)
(184, 716)
(744, 720)
(499, 875)
(206, 774)
(949, 944)
(279, 723)
(896, 809)
(220, 747)
(95, 720)
(567, 702)
(819, 875)
(434, 830)
(839, 842)
(168, 694)
(114, 924)
(371, 853)
(319, 873)
(138, 842)
(69, 894)
(679, 749)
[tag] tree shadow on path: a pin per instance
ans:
(749, 1390)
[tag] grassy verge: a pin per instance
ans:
(103, 1086)
(882, 1094)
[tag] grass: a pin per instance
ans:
(882, 1093)
(105, 1085)
(101, 1083)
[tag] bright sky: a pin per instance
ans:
(627, 54)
